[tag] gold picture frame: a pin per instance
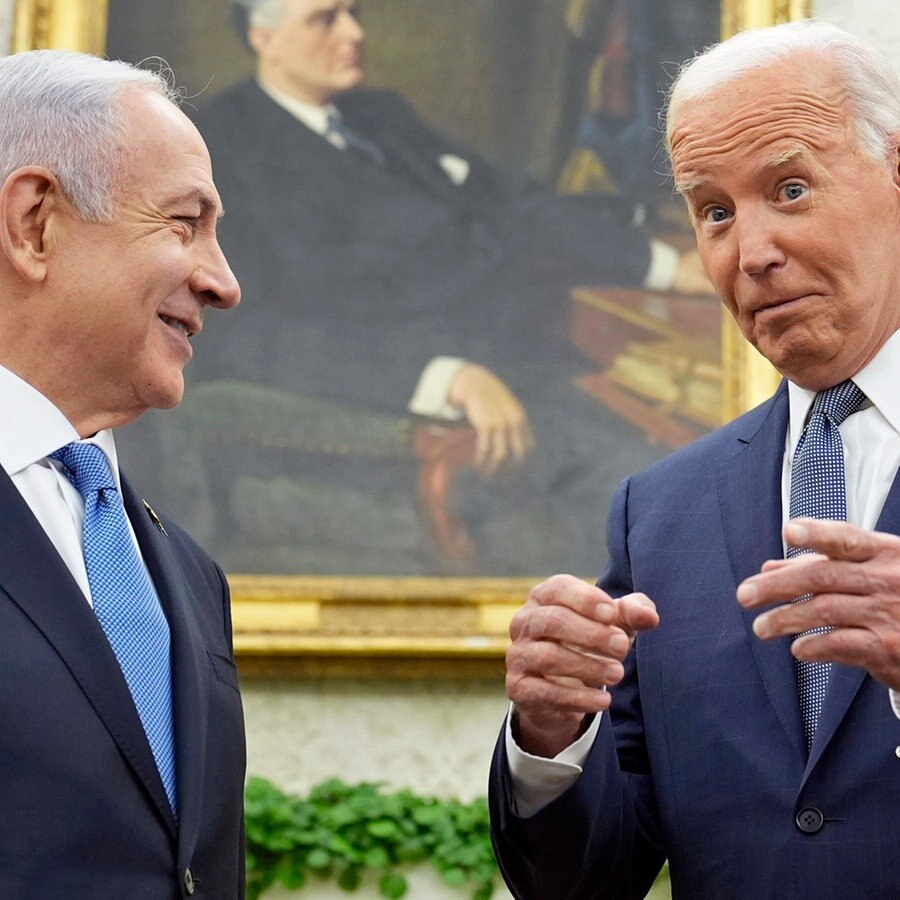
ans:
(436, 627)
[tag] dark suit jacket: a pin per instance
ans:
(350, 268)
(84, 812)
(703, 759)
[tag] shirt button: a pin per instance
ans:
(897, 752)
(188, 882)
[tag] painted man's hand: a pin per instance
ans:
(502, 429)
(690, 276)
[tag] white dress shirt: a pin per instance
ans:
(871, 440)
(33, 428)
(431, 393)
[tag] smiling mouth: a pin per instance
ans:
(178, 325)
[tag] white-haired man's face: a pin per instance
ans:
(798, 228)
(314, 52)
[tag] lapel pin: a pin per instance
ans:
(154, 517)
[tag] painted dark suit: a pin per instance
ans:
(84, 810)
(703, 759)
(346, 264)
(355, 275)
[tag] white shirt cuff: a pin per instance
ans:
(538, 781)
(433, 389)
(895, 701)
(663, 267)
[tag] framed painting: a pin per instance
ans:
(451, 347)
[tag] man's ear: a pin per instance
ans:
(258, 38)
(28, 197)
(895, 158)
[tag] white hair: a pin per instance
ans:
(60, 110)
(872, 85)
(263, 13)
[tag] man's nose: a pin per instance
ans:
(759, 244)
(214, 281)
(351, 27)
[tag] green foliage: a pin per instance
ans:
(341, 831)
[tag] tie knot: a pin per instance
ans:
(838, 402)
(86, 466)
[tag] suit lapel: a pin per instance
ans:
(845, 681)
(38, 581)
(190, 668)
(749, 487)
(405, 154)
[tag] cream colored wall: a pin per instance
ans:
(434, 737)
(878, 21)
(7, 13)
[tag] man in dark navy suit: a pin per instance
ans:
(389, 269)
(121, 729)
(656, 716)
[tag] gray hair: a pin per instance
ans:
(872, 85)
(60, 110)
(262, 13)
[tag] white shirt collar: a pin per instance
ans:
(878, 381)
(33, 427)
(314, 117)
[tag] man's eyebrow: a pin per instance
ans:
(208, 202)
(686, 188)
(785, 156)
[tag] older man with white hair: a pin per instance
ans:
(121, 731)
(656, 716)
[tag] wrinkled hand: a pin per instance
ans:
(502, 429)
(690, 276)
(854, 580)
(568, 642)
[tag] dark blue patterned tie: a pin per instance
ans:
(819, 491)
(125, 601)
(352, 140)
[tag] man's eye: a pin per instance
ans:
(716, 214)
(793, 191)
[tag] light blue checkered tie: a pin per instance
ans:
(819, 491)
(125, 601)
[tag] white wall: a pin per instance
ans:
(878, 21)
(7, 17)
(434, 737)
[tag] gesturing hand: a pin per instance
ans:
(568, 643)
(854, 582)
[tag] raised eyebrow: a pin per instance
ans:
(686, 188)
(785, 156)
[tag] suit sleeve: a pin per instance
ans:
(600, 839)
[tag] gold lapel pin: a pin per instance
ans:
(155, 518)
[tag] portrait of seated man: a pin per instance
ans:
(397, 386)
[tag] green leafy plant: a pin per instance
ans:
(340, 831)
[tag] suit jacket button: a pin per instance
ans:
(809, 820)
(188, 882)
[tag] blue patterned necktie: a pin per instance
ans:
(353, 141)
(125, 601)
(819, 491)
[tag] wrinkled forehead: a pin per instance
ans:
(793, 103)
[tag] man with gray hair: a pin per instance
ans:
(656, 716)
(120, 719)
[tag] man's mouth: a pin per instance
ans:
(178, 325)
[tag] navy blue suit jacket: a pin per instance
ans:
(703, 758)
(84, 812)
